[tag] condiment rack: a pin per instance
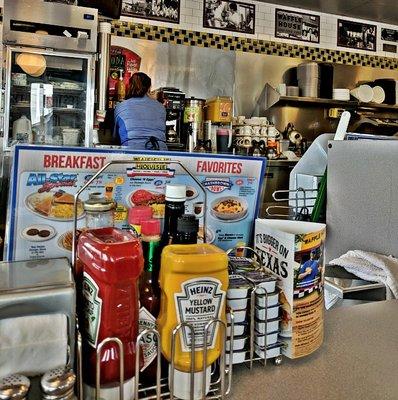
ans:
(221, 376)
(301, 203)
(261, 307)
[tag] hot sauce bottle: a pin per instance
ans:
(149, 295)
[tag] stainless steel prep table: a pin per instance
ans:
(358, 361)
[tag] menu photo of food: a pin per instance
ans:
(66, 239)
(58, 205)
(192, 193)
(38, 233)
(142, 197)
(229, 208)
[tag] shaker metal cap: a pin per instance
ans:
(58, 381)
(96, 202)
(14, 387)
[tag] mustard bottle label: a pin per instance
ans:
(149, 347)
(199, 302)
(92, 309)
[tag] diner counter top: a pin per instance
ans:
(358, 361)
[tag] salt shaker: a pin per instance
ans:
(58, 384)
(14, 387)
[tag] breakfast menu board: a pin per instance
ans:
(44, 181)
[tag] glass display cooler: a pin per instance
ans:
(49, 98)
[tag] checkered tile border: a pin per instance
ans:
(224, 42)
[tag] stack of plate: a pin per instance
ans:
(341, 94)
(309, 79)
(363, 93)
(292, 91)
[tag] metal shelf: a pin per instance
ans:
(270, 98)
(56, 110)
(331, 102)
(58, 91)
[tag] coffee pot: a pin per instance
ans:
(202, 146)
(293, 135)
(258, 148)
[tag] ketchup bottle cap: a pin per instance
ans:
(138, 214)
(150, 227)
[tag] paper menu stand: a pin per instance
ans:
(294, 251)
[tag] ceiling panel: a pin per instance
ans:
(374, 10)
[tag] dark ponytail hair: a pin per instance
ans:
(139, 85)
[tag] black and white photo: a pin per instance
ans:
(229, 15)
(356, 35)
(159, 10)
(70, 2)
(389, 35)
(297, 26)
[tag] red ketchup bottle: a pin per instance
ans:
(109, 262)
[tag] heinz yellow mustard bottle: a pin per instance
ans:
(193, 281)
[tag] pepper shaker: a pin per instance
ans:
(14, 387)
(58, 384)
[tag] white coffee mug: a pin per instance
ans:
(256, 130)
(264, 132)
(247, 141)
(246, 130)
(241, 119)
(281, 89)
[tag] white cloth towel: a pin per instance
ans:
(33, 345)
(370, 267)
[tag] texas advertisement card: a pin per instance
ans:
(294, 251)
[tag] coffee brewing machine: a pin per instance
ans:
(174, 102)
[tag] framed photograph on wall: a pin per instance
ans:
(389, 35)
(70, 2)
(356, 35)
(297, 26)
(158, 10)
(229, 15)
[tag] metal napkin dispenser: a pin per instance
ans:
(39, 287)
(43, 24)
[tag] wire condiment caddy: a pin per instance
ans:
(301, 203)
(256, 295)
(221, 377)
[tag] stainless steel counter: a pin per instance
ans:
(358, 361)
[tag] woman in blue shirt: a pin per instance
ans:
(140, 121)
